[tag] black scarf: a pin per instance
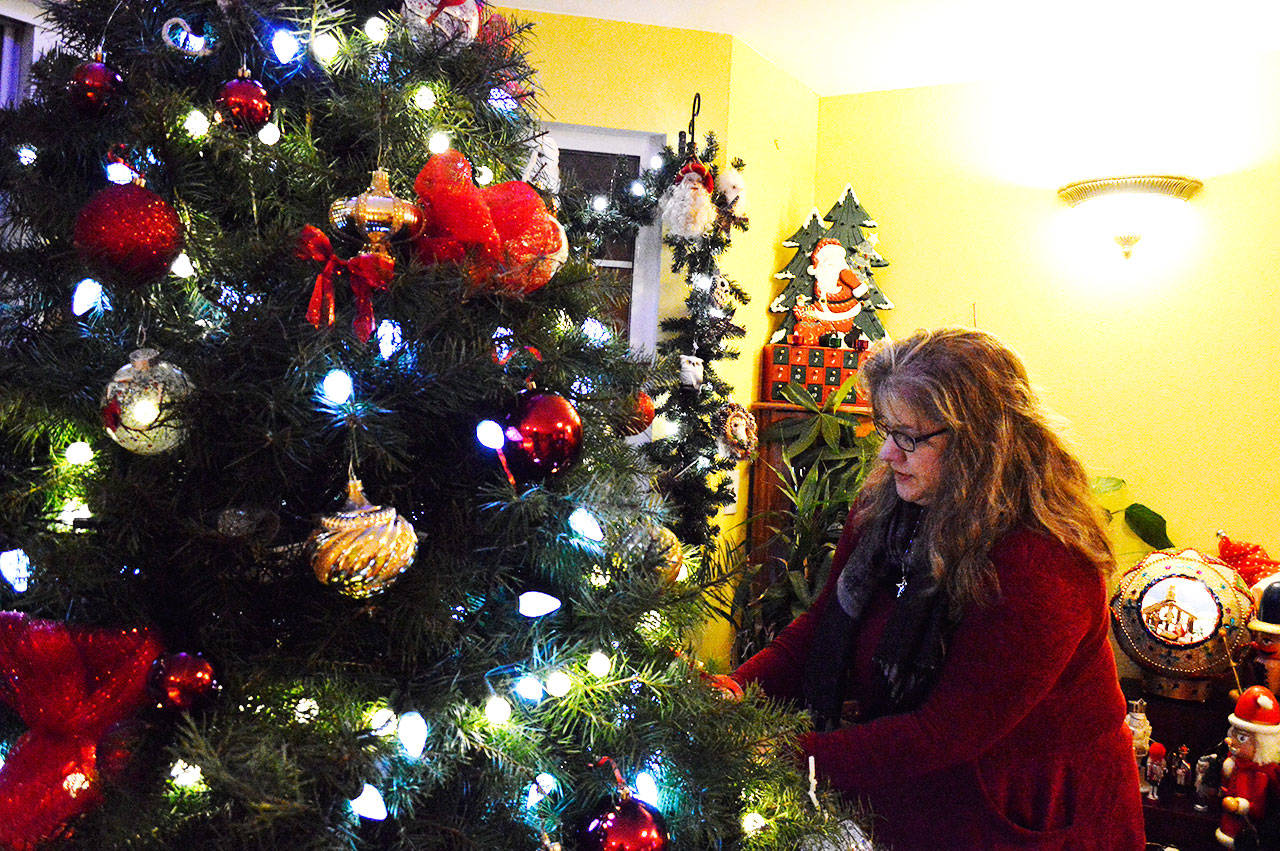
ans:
(911, 651)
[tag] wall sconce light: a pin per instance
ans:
(1128, 205)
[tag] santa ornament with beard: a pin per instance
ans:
(1251, 773)
(686, 207)
(837, 295)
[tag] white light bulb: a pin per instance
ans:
(412, 730)
(144, 411)
(369, 804)
(389, 337)
(306, 710)
(529, 687)
(558, 683)
(376, 29)
(324, 47)
(424, 97)
(73, 510)
(600, 203)
(497, 710)
(585, 525)
(182, 266)
(753, 822)
(120, 173)
(484, 175)
(439, 142)
(490, 434)
(502, 100)
(381, 721)
(599, 577)
(269, 134)
(15, 567)
(185, 775)
(656, 162)
(27, 155)
(599, 664)
(337, 387)
(78, 453)
(637, 188)
(542, 786)
(87, 296)
(285, 45)
(535, 604)
(647, 788)
(196, 124)
(596, 331)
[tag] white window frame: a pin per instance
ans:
(646, 273)
(24, 37)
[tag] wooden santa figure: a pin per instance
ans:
(1264, 627)
(1251, 771)
(838, 292)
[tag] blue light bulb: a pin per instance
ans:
(285, 45)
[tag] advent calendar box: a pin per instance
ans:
(819, 369)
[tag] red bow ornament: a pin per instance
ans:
(71, 686)
(365, 272)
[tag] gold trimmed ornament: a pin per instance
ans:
(738, 432)
(362, 548)
(657, 544)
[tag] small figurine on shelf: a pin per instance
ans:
(1208, 779)
(1181, 770)
(1140, 727)
(1249, 772)
(1155, 770)
(1264, 627)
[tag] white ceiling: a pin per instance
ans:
(844, 46)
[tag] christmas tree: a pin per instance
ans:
(319, 529)
(833, 298)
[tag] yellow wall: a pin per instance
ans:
(1164, 364)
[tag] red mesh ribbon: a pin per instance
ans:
(365, 272)
(70, 686)
(1249, 560)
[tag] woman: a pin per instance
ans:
(957, 664)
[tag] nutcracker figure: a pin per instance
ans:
(1249, 773)
(1264, 627)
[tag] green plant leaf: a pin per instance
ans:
(837, 398)
(797, 395)
(804, 441)
(1107, 484)
(1148, 526)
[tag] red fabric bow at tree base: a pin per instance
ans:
(1249, 560)
(70, 686)
(365, 272)
(503, 236)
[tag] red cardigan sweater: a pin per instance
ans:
(1021, 744)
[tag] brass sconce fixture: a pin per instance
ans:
(1127, 224)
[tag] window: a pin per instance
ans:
(21, 40)
(592, 158)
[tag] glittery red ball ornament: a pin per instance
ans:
(629, 825)
(129, 231)
(95, 87)
(641, 414)
(544, 435)
(182, 680)
(243, 102)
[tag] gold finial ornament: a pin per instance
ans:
(362, 548)
(377, 216)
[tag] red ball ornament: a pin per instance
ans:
(543, 435)
(95, 87)
(182, 680)
(130, 231)
(243, 102)
(641, 414)
(630, 825)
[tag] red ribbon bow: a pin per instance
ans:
(366, 272)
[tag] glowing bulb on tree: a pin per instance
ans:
(196, 124)
(490, 434)
(412, 730)
(375, 29)
(337, 387)
(558, 683)
(753, 822)
(72, 510)
(306, 710)
(389, 337)
(484, 175)
(269, 134)
(647, 788)
(120, 173)
(439, 142)
(599, 664)
(497, 710)
(381, 721)
(182, 266)
(535, 604)
(187, 776)
(78, 453)
(529, 687)
(599, 203)
(424, 97)
(285, 45)
(26, 155)
(542, 786)
(369, 804)
(15, 567)
(585, 525)
(88, 296)
(324, 47)
(637, 188)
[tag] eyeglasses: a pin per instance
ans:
(906, 442)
